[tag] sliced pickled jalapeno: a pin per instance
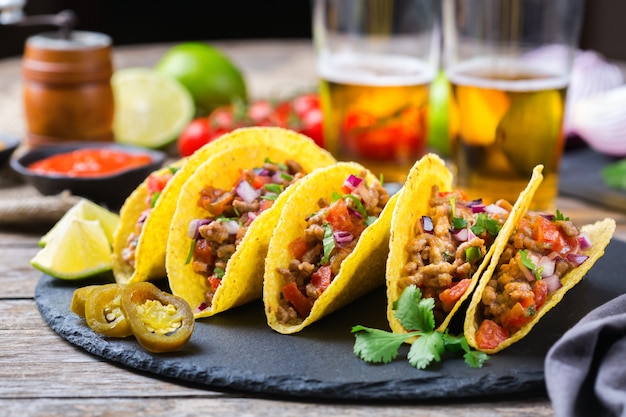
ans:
(103, 311)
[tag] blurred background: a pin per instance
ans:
(151, 21)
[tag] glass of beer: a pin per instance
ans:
(375, 60)
(509, 62)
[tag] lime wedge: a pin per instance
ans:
(151, 109)
(79, 250)
(85, 210)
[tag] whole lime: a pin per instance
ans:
(210, 76)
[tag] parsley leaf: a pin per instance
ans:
(485, 223)
(528, 263)
(413, 312)
(459, 223)
(560, 216)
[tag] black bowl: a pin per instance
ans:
(8, 144)
(108, 190)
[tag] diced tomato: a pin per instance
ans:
(516, 317)
(541, 292)
(322, 277)
(489, 335)
(265, 204)
(260, 180)
(157, 183)
(293, 295)
(214, 282)
(451, 295)
(339, 217)
(298, 247)
(547, 233)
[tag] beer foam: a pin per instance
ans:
(535, 77)
(375, 70)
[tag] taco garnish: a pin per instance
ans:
(216, 237)
(329, 247)
(543, 258)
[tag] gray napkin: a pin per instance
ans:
(586, 368)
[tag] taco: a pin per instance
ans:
(225, 214)
(541, 259)
(442, 242)
(329, 247)
(139, 246)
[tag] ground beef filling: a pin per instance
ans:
(517, 291)
(311, 271)
(438, 254)
(230, 214)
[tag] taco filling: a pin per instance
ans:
(541, 251)
(330, 236)
(449, 245)
(156, 182)
(215, 238)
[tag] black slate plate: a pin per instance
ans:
(236, 350)
(581, 177)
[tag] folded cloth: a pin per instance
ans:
(585, 369)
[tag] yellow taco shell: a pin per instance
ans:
(152, 243)
(361, 271)
(412, 204)
(600, 233)
(243, 278)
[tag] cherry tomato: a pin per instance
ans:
(308, 117)
(194, 136)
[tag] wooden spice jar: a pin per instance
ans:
(67, 88)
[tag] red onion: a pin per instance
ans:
(477, 205)
(427, 224)
(553, 282)
(584, 241)
(231, 226)
(352, 182)
(194, 226)
(495, 209)
(461, 234)
(247, 192)
(342, 237)
(576, 259)
(547, 266)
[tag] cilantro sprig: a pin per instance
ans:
(413, 312)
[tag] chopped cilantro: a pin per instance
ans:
(453, 207)
(269, 196)
(528, 263)
(560, 216)
(328, 242)
(415, 313)
(485, 223)
(279, 165)
(459, 223)
(155, 198)
(218, 273)
(274, 188)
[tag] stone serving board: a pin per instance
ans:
(236, 350)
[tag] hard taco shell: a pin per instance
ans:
(361, 271)
(243, 279)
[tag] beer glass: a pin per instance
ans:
(375, 61)
(509, 63)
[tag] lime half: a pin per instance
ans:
(151, 109)
(80, 250)
(85, 210)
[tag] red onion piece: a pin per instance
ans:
(231, 226)
(194, 227)
(547, 266)
(427, 224)
(584, 241)
(553, 282)
(495, 209)
(352, 182)
(342, 237)
(247, 192)
(576, 259)
(461, 234)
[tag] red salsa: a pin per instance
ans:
(89, 162)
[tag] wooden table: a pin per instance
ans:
(42, 374)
